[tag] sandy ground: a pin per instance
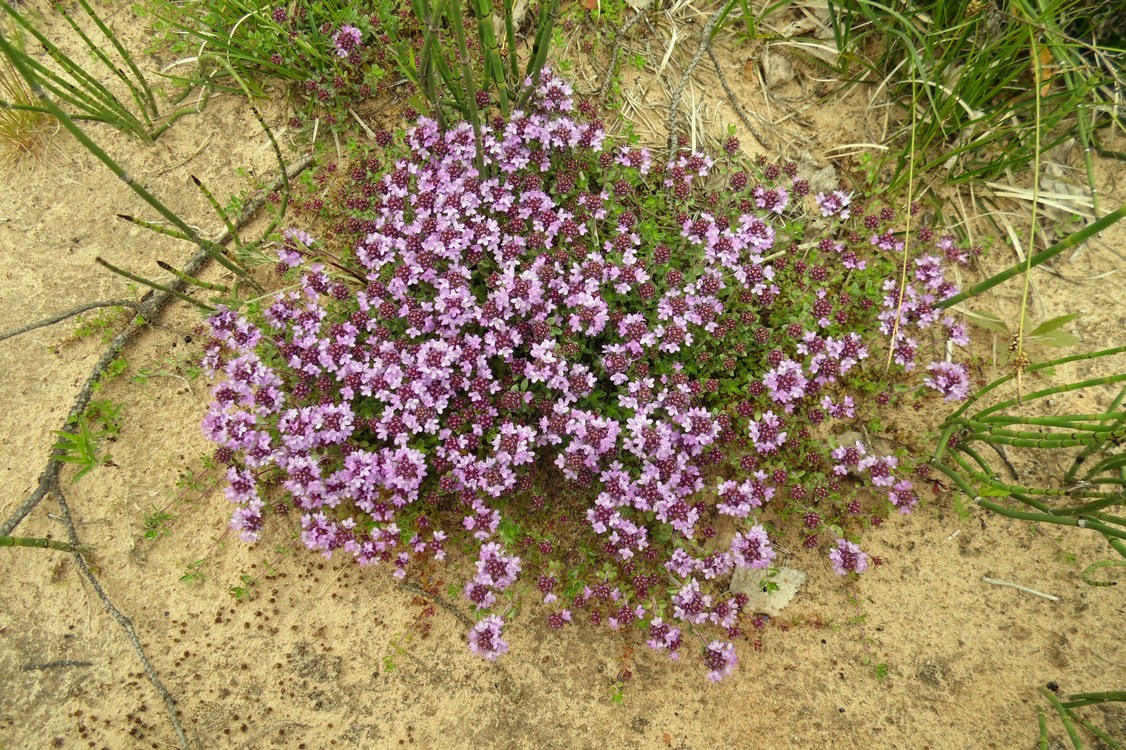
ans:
(321, 654)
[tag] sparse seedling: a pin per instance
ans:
(103, 323)
(182, 366)
(104, 417)
(81, 448)
(243, 590)
(247, 582)
(158, 525)
(193, 572)
(418, 626)
(198, 482)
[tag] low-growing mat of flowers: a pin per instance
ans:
(674, 342)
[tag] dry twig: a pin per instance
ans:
(49, 484)
(1018, 587)
(56, 665)
(731, 98)
(674, 105)
(60, 317)
(622, 31)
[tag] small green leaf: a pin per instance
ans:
(988, 321)
(1053, 324)
(1055, 338)
(993, 492)
(508, 531)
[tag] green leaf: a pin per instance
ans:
(508, 531)
(988, 321)
(1055, 338)
(993, 492)
(1053, 324)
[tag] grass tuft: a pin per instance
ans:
(977, 64)
(24, 128)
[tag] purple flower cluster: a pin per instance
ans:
(485, 638)
(496, 571)
(346, 40)
(912, 307)
(835, 203)
(847, 557)
(496, 329)
(720, 660)
(950, 379)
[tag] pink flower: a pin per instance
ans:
(786, 382)
(485, 638)
(950, 379)
(903, 496)
(834, 204)
(752, 549)
(848, 558)
(346, 40)
(767, 433)
(720, 659)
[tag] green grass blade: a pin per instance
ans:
(103, 58)
(1066, 243)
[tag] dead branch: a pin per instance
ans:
(60, 317)
(56, 665)
(125, 622)
(731, 98)
(674, 105)
(461, 616)
(619, 37)
(148, 309)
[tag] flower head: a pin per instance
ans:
(720, 660)
(346, 40)
(767, 433)
(835, 203)
(848, 558)
(485, 638)
(903, 496)
(950, 379)
(752, 549)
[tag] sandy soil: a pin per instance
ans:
(321, 654)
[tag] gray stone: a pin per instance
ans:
(748, 581)
(823, 179)
(777, 69)
(877, 445)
